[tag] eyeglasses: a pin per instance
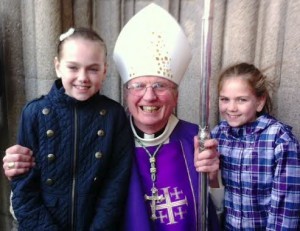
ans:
(139, 89)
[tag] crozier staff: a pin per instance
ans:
(205, 72)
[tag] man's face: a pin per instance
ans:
(151, 107)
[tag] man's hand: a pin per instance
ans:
(17, 160)
(207, 160)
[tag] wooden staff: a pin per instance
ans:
(204, 133)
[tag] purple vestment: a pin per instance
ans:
(176, 180)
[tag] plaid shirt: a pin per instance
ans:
(261, 172)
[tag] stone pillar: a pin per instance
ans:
(13, 95)
(108, 26)
(289, 93)
(240, 31)
(83, 13)
(48, 27)
(29, 48)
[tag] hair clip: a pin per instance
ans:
(66, 34)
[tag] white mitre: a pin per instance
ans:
(152, 44)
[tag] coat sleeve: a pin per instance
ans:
(111, 201)
(27, 204)
(285, 195)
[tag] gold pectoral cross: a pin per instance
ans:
(154, 198)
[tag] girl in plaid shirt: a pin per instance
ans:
(260, 157)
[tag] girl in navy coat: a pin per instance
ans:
(82, 144)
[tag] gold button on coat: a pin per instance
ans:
(49, 181)
(98, 155)
(50, 133)
(103, 112)
(51, 157)
(101, 132)
(46, 111)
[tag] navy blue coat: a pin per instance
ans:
(83, 152)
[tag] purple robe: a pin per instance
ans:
(176, 180)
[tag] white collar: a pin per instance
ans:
(150, 140)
